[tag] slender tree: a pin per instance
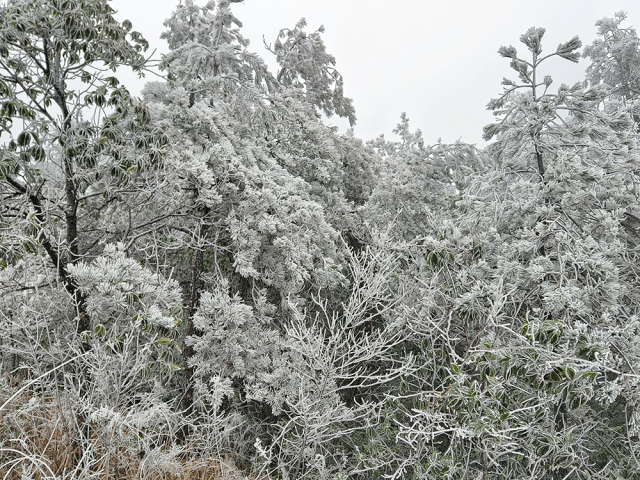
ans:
(58, 140)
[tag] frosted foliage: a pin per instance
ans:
(282, 236)
(305, 65)
(301, 374)
(614, 60)
(235, 340)
(325, 356)
(417, 181)
(536, 277)
(533, 288)
(118, 288)
(279, 232)
(287, 302)
(146, 415)
(204, 41)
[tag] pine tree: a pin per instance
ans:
(531, 279)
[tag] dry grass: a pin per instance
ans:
(39, 440)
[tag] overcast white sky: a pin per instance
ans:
(434, 59)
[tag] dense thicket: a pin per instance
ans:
(210, 282)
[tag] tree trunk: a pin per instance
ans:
(195, 291)
(197, 265)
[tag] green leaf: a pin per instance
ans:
(38, 153)
(543, 450)
(24, 138)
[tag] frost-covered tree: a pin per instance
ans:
(531, 288)
(314, 391)
(73, 138)
(211, 276)
(261, 190)
(615, 65)
(305, 64)
(615, 58)
(417, 181)
(74, 156)
(98, 402)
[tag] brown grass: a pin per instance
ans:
(38, 438)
